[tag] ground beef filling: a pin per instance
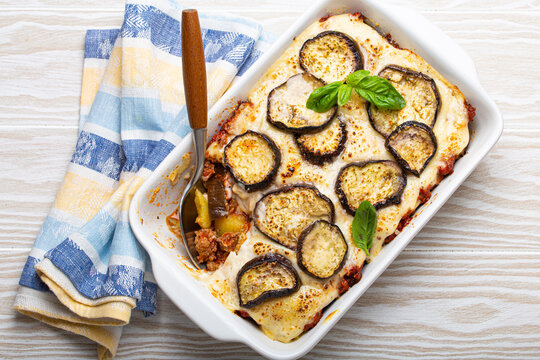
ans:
(351, 278)
(208, 170)
(212, 249)
(314, 322)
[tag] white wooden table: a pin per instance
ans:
(467, 287)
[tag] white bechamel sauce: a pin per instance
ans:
(283, 319)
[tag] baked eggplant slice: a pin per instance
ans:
(265, 277)
(330, 56)
(282, 214)
(413, 144)
(321, 249)
(323, 146)
(287, 106)
(420, 93)
(217, 195)
(253, 160)
(380, 182)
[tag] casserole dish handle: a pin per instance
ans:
(213, 322)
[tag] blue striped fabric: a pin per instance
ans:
(99, 154)
(142, 21)
(86, 235)
(99, 43)
(29, 277)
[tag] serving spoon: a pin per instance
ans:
(194, 72)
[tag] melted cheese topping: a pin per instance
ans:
(284, 319)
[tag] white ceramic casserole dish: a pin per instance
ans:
(147, 219)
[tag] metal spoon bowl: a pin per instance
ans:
(186, 208)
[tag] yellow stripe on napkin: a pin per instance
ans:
(51, 312)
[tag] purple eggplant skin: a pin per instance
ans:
(320, 158)
(271, 257)
(286, 189)
(351, 44)
(392, 200)
(299, 250)
(296, 130)
(403, 127)
(271, 175)
(217, 197)
(410, 73)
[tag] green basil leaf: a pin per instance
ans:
(324, 98)
(380, 92)
(356, 77)
(344, 94)
(364, 225)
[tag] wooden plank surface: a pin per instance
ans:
(467, 287)
(487, 308)
(239, 6)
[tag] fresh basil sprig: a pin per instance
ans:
(364, 225)
(324, 98)
(378, 91)
(344, 94)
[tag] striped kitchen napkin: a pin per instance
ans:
(86, 271)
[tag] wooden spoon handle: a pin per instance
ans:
(194, 69)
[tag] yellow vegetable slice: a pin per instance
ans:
(231, 223)
(203, 213)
